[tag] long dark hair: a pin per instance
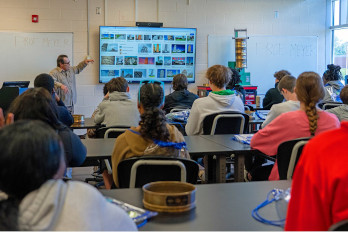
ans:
(333, 73)
(235, 79)
(153, 121)
(36, 104)
(30, 155)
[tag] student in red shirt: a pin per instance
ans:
(319, 187)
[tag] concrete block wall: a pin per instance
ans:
(295, 17)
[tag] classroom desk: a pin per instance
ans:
(197, 146)
(254, 125)
(99, 149)
(218, 207)
(87, 124)
(90, 124)
(237, 149)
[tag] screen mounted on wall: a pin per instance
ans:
(138, 53)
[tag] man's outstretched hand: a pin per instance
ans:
(9, 120)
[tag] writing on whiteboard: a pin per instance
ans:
(21, 41)
(302, 50)
(278, 49)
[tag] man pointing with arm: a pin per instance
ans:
(64, 79)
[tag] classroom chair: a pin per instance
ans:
(105, 167)
(340, 226)
(228, 122)
(7, 95)
(287, 156)
(178, 109)
(330, 105)
(110, 131)
(137, 171)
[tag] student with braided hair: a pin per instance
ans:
(332, 82)
(153, 136)
(308, 121)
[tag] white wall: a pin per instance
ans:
(296, 17)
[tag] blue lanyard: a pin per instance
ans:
(164, 143)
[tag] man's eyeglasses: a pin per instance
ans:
(144, 82)
(67, 63)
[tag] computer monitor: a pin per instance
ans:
(20, 84)
(142, 53)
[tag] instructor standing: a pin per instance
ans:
(64, 79)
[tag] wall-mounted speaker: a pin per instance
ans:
(148, 24)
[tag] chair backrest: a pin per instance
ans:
(228, 122)
(287, 156)
(331, 105)
(110, 132)
(7, 95)
(178, 109)
(137, 171)
(340, 226)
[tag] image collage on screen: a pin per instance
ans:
(147, 53)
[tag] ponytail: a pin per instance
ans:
(332, 73)
(153, 124)
(153, 121)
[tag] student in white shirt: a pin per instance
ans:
(32, 163)
(219, 99)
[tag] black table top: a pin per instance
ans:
(218, 207)
(196, 145)
(256, 121)
(99, 148)
(87, 124)
(90, 124)
(227, 141)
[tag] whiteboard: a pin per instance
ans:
(266, 55)
(25, 55)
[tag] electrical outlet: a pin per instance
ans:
(97, 10)
(276, 14)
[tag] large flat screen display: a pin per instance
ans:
(138, 53)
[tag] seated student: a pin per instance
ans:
(287, 89)
(32, 164)
(319, 185)
(273, 95)
(91, 133)
(234, 84)
(181, 97)
(37, 104)
(309, 120)
(332, 81)
(152, 135)
(219, 100)
(118, 109)
(46, 81)
(342, 111)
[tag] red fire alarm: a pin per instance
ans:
(35, 18)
